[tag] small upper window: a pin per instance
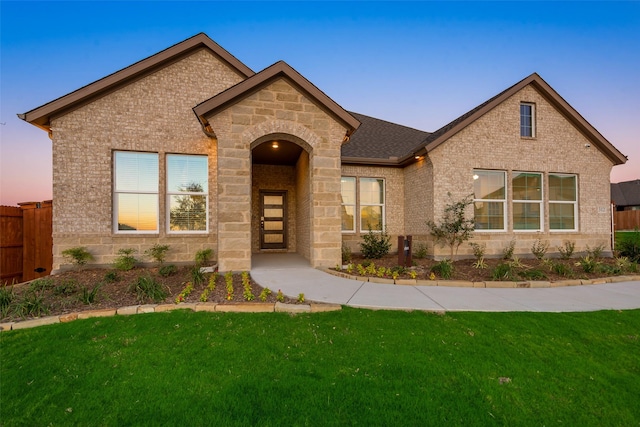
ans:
(527, 120)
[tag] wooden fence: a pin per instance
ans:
(26, 243)
(626, 220)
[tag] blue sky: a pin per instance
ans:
(421, 64)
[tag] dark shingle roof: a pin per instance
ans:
(626, 193)
(379, 139)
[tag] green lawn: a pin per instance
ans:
(341, 368)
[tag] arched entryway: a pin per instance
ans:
(281, 195)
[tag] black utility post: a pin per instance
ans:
(404, 251)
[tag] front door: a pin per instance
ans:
(273, 219)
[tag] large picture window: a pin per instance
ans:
(490, 196)
(371, 204)
(563, 202)
(348, 192)
(187, 189)
(135, 192)
(526, 189)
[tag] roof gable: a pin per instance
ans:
(452, 128)
(279, 70)
(40, 116)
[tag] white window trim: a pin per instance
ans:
(354, 204)
(115, 198)
(539, 202)
(504, 204)
(574, 203)
(383, 204)
(185, 193)
(533, 120)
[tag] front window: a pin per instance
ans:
(371, 204)
(135, 192)
(348, 192)
(527, 120)
(490, 196)
(563, 202)
(187, 189)
(526, 188)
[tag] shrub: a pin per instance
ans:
(629, 245)
(147, 288)
(567, 248)
(503, 271)
(507, 252)
(264, 294)
(197, 276)
(203, 256)
(478, 252)
(78, 255)
(421, 251)
(167, 270)
(588, 264)
(280, 296)
(111, 276)
(31, 304)
(41, 284)
(539, 249)
(7, 296)
(125, 260)
(157, 252)
(375, 245)
(443, 268)
(88, 296)
(561, 269)
(534, 274)
(346, 254)
(596, 251)
(454, 227)
(67, 287)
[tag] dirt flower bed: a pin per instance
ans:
(495, 269)
(91, 289)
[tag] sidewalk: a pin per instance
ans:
(292, 274)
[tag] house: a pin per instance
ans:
(191, 148)
(626, 195)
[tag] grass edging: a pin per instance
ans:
(160, 308)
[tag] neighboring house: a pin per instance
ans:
(626, 195)
(193, 149)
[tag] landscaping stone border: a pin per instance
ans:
(487, 283)
(278, 307)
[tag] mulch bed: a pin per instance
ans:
(62, 293)
(465, 270)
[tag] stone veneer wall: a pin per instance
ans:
(394, 202)
(494, 142)
(272, 177)
(277, 110)
(152, 114)
(303, 206)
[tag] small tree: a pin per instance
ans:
(454, 227)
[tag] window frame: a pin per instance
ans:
(504, 202)
(539, 202)
(532, 117)
(170, 193)
(116, 192)
(564, 202)
(383, 225)
(354, 204)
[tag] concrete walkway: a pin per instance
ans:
(292, 274)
